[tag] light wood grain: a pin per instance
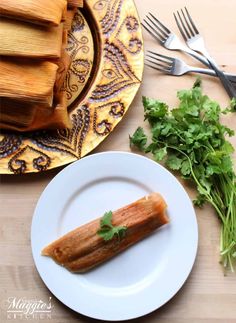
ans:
(207, 296)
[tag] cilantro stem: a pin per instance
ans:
(208, 196)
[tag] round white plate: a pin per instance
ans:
(142, 278)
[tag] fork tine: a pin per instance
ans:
(187, 23)
(157, 27)
(183, 25)
(153, 32)
(160, 23)
(156, 63)
(180, 28)
(168, 58)
(191, 21)
(157, 31)
(157, 67)
(153, 67)
(158, 60)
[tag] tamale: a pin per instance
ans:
(27, 40)
(40, 118)
(75, 3)
(16, 113)
(43, 12)
(82, 248)
(63, 66)
(27, 80)
(57, 119)
(69, 18)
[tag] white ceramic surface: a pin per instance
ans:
(139, 280)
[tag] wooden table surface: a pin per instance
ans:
(207, 296)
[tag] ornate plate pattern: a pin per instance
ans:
(112, 79)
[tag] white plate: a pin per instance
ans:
(142, 278)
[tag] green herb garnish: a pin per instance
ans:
(107, 231)
(190, 139)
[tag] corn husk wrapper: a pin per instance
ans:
(75, 3)
(69, 18)
(22, 39)
(41, 118)
(63, 66)
(43, 12)
(16, 113)
(28, 80)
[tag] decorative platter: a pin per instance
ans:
(106, 47)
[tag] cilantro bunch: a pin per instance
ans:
(191, 140)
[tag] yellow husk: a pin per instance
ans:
(27, 80)
(43, 12)
(18, 38)
(15, 113)
(37, 117)
(69, 18)
(75, 3)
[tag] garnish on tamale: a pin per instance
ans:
(84, 248)
(27, 80)
(43, 12)
(28, 40)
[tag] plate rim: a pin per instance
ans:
(195, 242)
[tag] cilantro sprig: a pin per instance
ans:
(107, 231)
(191, 140)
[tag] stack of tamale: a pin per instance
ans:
(34, 63)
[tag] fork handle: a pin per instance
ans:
(227, 85)
(208, 71)
(204, 60)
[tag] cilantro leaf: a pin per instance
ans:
(197, 83)
(160, 154)
(154, 108)
(185, 167)
(174, 162)
(199, 200)
(233, 105)
(139, 139)
(106, 219)
(107, 231)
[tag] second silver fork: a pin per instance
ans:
(173, 66)
(195, 41)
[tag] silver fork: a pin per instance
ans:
(195, 42)
(173, 66)
(170, 41)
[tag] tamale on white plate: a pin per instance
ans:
(138, 280)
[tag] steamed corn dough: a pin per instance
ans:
(83, 249)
